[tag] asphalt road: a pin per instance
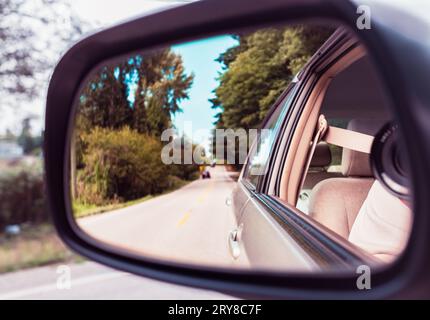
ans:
(89, 280)
(189, 225)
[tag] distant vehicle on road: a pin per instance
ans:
(206, 174)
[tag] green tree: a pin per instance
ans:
(259, 69)
(160, 84)
(104, 101)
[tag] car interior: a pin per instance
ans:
(333, 182)
(353, 101)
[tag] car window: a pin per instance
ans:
(256, 166)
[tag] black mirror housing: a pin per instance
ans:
(195, 21)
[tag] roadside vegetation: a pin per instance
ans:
(27, 239)
(36, 245)
(22, 196)
(117, 145)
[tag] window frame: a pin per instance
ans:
(322, 60)
(292, 88)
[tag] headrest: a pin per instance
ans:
(322, 156)
(355, 163)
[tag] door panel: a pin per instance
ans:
(266, 243)
(239, 198)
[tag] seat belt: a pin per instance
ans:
(349, 139)
(344, 138)
(321, 131)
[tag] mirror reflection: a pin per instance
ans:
(242, 150)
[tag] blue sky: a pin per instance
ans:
(199, 58)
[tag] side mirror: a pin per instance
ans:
(100, 156)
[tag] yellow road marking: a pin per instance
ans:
(184, 219)
(203, 196)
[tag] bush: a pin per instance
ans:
(184, 171)
(22, 198)
(120, 165)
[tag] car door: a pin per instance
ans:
(259, 234)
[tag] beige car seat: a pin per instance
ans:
(383, 224)
(335, 202)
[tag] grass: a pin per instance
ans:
(81, 210)
(34, 246)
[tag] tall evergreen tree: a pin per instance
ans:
(259, 69)
(157, 82)
(104, 102)
(162, 85)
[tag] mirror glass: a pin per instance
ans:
(244, 150)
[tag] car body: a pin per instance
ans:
(395, 46)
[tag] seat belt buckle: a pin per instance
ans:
(322, 128)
